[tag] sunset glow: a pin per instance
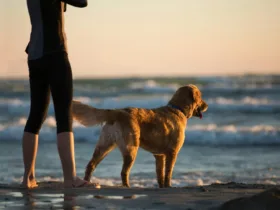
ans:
(159, 37)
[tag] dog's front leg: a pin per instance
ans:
(160, 169)
(169, 165)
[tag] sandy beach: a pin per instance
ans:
(51, 195)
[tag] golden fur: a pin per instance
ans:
(160, 131)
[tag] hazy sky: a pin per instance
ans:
(155, 37)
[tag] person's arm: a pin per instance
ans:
(76, 3)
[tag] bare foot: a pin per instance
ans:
(80, 183)
(29, 184)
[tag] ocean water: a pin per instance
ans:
(237, 140)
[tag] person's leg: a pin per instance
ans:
(61, 83)
(29, 147)
(40, 98)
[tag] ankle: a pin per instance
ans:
(76, 181)
(29, 176)
(70, 180)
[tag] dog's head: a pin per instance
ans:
(188, 98)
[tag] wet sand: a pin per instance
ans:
(51, 195)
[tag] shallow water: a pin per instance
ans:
(237, 140)
(196, 165)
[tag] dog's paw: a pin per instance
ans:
(126, 186)
(167, 186)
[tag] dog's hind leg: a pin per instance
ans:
(105, 144)
(128, 141)
(160, 169)
(129, 155)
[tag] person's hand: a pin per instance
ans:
(76, 3)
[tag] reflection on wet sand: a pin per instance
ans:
(70, 201)
(67, 200)
(34, 200)
(115, 197)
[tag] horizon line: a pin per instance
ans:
(150, 76)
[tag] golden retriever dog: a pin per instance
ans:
(160, 131)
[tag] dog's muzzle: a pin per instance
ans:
(198, 113)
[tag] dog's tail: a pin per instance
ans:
(90, 116)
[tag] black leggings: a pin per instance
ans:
(51, 74)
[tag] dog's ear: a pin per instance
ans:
(186, 96)
(196, 94)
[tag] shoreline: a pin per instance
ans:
(51, 195)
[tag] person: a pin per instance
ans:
(50, 74)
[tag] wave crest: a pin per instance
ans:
(211, 134)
